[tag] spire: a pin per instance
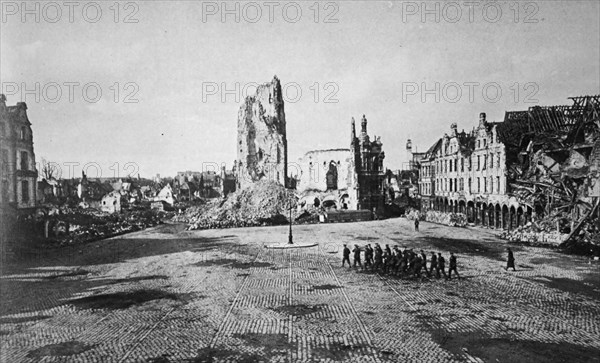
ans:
(364, 137)
(352, 132)
(363, 125)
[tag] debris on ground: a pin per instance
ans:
(80, 225)
(556, 172)
(260, 204)
(448, 219)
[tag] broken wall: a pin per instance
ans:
(262, 142)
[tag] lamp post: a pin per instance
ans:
(290, 235)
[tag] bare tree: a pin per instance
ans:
(50, 169)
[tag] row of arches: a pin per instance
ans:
(492, 215)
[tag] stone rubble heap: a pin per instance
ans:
(262, 203)
(78, 225)
(448, 219)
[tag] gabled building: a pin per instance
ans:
(18, 174)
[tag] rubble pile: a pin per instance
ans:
(412, 214)
(75, 225)
(261, 203)
(448, 219)
(557, 172)
(533, 235)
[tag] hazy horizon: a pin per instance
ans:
(368, 62)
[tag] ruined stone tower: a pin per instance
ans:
(262, 142)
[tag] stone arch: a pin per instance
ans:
(491, 216)
(520, 216)
(462, 207)
(484, 214)
(498, 216)
(344, 201)
(512, 217)
(470, 212)
(505, 216)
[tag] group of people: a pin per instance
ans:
(395, 262)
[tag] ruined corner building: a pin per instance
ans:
(262, 142)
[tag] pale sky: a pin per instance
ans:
(375, 61)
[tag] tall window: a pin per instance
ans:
(24, 160)
(470, 185)
(485, 185)
(478, 185)
(450, 184)
(498, 184)
(491, 161)
(4, 161)
(484, 142)
(478, 162)
(462, 164)
(25, 191)
(484, 161)
(23, 133)
(491, 184)
(5, 191)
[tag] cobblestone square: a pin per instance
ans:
(171, 295)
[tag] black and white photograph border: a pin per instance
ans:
(299, 181)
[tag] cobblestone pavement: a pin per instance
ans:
(170, 295)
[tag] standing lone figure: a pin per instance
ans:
(346, 256)
(511, 260)
(452, 266)
(417, 224)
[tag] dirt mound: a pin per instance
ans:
(262, 203)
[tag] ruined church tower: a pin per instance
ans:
(262, 141)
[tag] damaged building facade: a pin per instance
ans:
(533, 164)
(464, 172)
(18, 176)
(350, 178)
(262, 142)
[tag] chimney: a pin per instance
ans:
(482, 118)
(454, 129)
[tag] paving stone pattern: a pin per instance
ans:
(231, 300)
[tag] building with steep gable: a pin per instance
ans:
(18, 174)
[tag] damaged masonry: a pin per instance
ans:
(535, 175)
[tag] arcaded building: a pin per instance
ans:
(533, 163)
(18, 175)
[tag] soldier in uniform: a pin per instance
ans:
(404, 263)
(368, 256)
(441, 265)
(424, 261)
(356, 251)
(346, 256)
(433, 263)
(417, 265)
(378, 257)
(452, 266)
